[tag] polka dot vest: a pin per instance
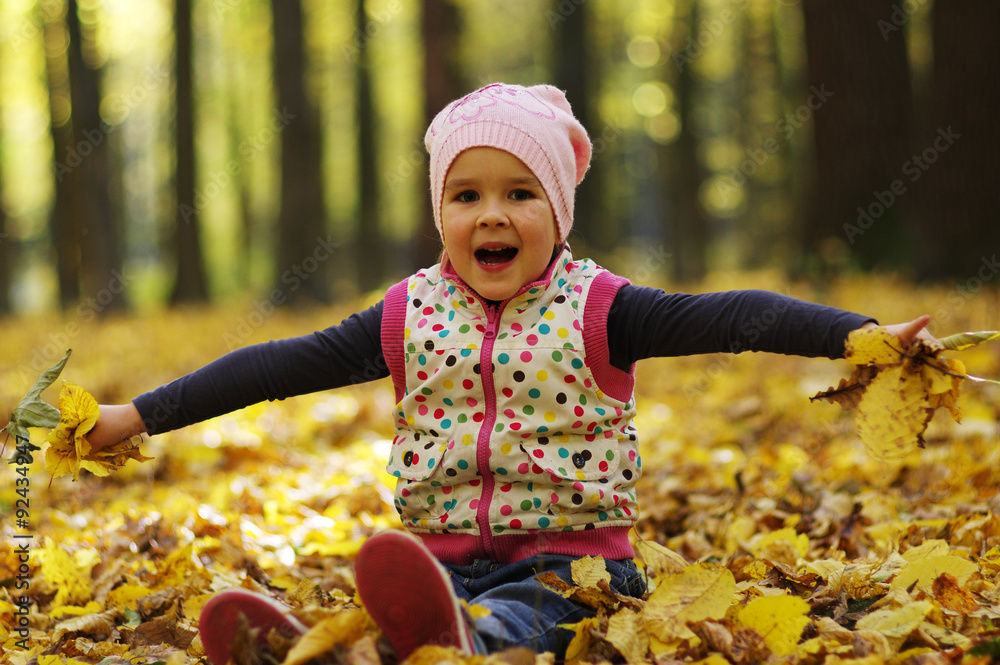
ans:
(501, 425)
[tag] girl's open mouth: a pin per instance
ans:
(495, 257)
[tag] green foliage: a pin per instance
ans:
(32, 411)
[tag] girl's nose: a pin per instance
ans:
(493, 214)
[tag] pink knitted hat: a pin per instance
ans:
(534, 124)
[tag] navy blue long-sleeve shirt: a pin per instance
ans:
(643, 323)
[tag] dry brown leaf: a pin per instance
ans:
(96, 626)
(947, 591)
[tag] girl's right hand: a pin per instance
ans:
(116, 423)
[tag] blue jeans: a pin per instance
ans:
(523, 611)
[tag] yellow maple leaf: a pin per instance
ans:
(785, 545)
(780, 620)
(895, 390)
(699, 592)
(892, 414)
(78, 413)
(588, 571)
(69, 451)
(582, 637)
(343, 628)
(896, 624)
(871, 346)
(627, 635)
(658, 559)
(73, 610)
(68, 575)
(934, 547)
(924, 571)
(54, 659)
(127, 596)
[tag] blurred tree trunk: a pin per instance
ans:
(954, 158)
(6, 253)
(64, 225)
(190, 281)
(100, 215)
(764, 227)
(369, 238)
(441, 25)
(577, 75)
(234, 71)
(85, 220)
(304, 249)
(689, 231)
(860, 100)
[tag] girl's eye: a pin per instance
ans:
(468, 196)
(521, 195)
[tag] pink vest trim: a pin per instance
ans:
(393, 322)
(613, 381)
(463, 549)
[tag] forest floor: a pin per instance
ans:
(794, 545)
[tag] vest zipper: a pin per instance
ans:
(485, 433)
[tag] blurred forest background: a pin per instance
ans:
(158, 152)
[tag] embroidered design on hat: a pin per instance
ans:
(471, 106)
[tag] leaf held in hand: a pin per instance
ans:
(967, 340)
(896, 390)
(871, 346)
(32, 411)
(69, 450)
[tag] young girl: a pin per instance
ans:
(513, 368)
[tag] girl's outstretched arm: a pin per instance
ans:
(338, 356)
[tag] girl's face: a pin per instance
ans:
(498, 226)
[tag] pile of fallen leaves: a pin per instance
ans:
(768, 531)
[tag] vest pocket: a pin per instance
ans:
(426, 496)
(573, 481)
(427, 458)
(575, 459)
